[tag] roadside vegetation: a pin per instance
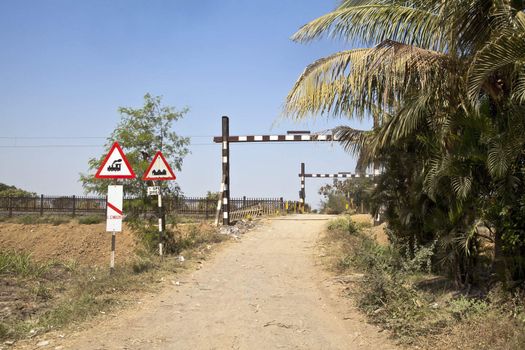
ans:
(45, 295)
(348, 196)
(419, 307)
(443, 84)
(54, 220)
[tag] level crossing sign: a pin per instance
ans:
(114, 208)
(159, 169)
(115, 165)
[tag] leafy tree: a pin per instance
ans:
(335, 203)
(142, 132)
(12, 191)
(356, 192)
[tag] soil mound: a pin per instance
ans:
(84, 244)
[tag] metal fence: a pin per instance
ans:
(201, 207)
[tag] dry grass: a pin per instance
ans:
(376, 232)
(39, 296)
(420, 310)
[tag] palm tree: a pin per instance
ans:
(443, 77)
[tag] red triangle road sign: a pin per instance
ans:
(159, 169)
(115, 165)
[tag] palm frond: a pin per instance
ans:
(352, 140)
(503, 51)
(359, 82)
(371, 22)
(518, 93)
(323, 85)
(461, 185)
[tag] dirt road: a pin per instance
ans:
(265, 292)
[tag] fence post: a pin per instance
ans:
(74, 204)
(243, 201)
(206, 208)
(281, 205)
(41, 205)
(10, 206)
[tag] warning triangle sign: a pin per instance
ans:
(115, 165)
(159, 169)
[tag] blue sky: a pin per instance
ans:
(66, 66)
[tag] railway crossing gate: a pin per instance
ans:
(343, 175)
(226, 139)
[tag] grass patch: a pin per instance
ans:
(191, 236)
(54, 220)
(91, 220)
(20, 264)
(52, 295)
(417, 307)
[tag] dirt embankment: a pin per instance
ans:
(88, 245)
(378, 232)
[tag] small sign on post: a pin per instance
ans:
(153, 190)
(114, 166)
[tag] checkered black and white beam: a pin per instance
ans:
(344, 176)
(278, 138)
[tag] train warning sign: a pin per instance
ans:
(115, 165)
(159, 169)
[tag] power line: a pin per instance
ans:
(82, 146)
(76, 137)
(98, 146)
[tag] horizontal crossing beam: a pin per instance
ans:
(338, 175)
(278, 138)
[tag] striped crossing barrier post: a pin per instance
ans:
(302, 193)
(226, 171)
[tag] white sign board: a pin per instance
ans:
(153, 190)
(114, 208)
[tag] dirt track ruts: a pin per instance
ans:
(265, 292)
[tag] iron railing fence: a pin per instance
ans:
(201, 207)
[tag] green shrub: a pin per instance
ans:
(91, 220)
(142, 264)
(36, 220)
(58, 220)
(335, 204)
(27, 220)
(20, 264)
(343, 224)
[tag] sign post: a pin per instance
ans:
(159, 170)
(114, 166)
(114, 217)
